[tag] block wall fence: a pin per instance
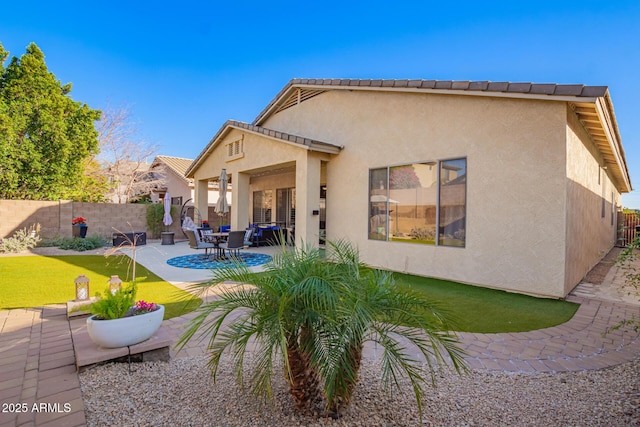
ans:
(55, 217)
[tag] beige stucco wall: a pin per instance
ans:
(516, 156)
(589, 234)
(176, 186)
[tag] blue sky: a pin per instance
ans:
(185, 68)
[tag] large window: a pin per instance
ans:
(419, 203)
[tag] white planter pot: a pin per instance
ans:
(125, 331)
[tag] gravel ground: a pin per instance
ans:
(182, 393)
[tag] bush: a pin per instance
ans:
(76, 243)
(21, 240)
(53, 242)
(81, 245)
(114, 305)
(155, 215)
(422, 234)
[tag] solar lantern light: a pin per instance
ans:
(82, 288)
(115, 284)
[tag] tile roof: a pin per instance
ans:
(179, 165)
(592, 105)
(483, 87)
(287, 137)
(311, 144)
(587, 101)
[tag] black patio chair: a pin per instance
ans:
(234, 242)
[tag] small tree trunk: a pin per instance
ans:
(303, 384)
(342, 400)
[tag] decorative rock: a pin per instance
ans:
(182, 392)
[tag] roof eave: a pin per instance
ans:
(231, 124)
(609, 122)
(190, 173)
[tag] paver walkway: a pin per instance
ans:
(39, 385)
(582, 343)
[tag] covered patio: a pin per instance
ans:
(276, 178)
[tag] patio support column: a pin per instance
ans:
(240, 201)
(201, 198)
(307, 200)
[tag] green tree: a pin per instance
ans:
(317, 312)
(45, 136)
(93, 185)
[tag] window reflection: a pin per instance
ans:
(378, 207)
(406, 203)
(453, 195)
(262, 205)
(412, 202)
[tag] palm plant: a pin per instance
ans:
(314, 315)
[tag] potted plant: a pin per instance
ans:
(79, 227)
(118, 321)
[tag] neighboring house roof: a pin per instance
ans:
(307, 143)
(178, 165)
(592, 105)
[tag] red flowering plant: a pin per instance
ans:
(143, 307)
(79, 221)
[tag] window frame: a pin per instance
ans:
(438, 165)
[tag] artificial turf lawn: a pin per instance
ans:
(483, 310)
(33, 281)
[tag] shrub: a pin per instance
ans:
(76, 243)
(155, 215)
(628, 262)
(53, 242)
(422, 234)
(81, 245)
(21, 240)
(114, 305)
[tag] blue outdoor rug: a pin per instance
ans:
(201, 263)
